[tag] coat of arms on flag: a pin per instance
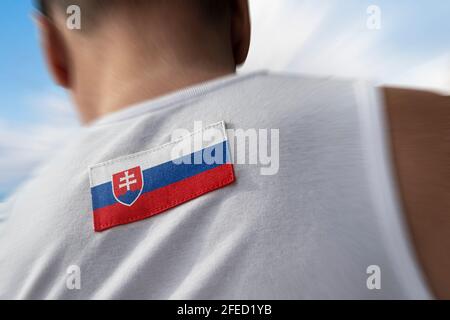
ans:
(127, 186)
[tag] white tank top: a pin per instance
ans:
(324, 223)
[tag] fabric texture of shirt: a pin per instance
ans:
(309, 231)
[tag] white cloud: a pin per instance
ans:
(52, 107)
(311, 37)
(280, 28)
(433, 75)
(25, 146)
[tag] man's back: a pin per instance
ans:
(310, 227)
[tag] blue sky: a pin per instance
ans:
(22, 67)
(35, 115)
(325, 37)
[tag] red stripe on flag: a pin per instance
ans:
(160, 200)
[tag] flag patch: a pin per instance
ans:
(147, 183)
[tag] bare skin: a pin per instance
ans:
(106, 73)
(420, 135)
(113, 63)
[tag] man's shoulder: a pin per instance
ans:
(276, 83)
(419, 125)
(272, 97)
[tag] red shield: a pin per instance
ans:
(127, 186)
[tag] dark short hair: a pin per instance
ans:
(214, 8)
(41, 6)
(214, 12)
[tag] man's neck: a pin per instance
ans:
(114, 72)
(116, 93)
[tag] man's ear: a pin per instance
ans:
(240, 30)
(54, 50)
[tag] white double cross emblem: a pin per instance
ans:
(127, 182)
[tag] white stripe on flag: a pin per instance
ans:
(196, 141)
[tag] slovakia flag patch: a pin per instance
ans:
(147, 183)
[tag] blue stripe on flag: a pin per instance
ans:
(166, 173)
